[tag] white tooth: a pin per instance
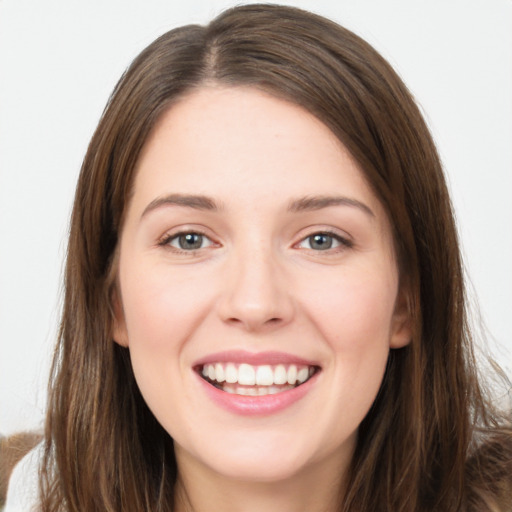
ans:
(231, 373)
(246, 375)
(280, 375)
(219, 373)
(211, 372)
(303, 375)
(292, 374)
(272, 390)
(252, 391)
(264, 376)
(204, 371)
(262, 391)
(311, 371)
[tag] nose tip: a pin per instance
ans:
(256, 296)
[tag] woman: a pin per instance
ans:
(264, 299)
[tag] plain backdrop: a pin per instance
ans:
(59, 60)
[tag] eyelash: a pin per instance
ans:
(343, 243)
(167, 239)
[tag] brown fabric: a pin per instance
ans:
(12, 450)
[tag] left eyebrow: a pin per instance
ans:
(309, 203)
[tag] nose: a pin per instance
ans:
(256, 295)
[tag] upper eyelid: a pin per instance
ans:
(181, 233)
(184, 230)
(326, 230)
(342, 241)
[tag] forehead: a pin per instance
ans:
(216, 139)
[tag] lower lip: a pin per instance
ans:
(257, 405)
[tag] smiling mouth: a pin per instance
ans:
(256, 380)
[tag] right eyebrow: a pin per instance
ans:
(197, 202)
(310, 203)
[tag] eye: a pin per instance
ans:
(187, 241)
(323, 242)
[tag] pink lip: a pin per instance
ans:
(259, 358)
(256, 405)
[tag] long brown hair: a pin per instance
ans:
(431, 441)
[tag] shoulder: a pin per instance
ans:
(23, 490)
(489, 472)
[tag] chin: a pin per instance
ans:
(263, 469)
(265, 457)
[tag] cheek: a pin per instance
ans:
(162, 310)
(161, 306)
(357, 324)
(354, 309)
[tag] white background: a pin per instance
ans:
(59, 60)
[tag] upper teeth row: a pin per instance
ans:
(265, 375)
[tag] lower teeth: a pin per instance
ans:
(234, 389)
(253, 390)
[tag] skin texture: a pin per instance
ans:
(256, 285)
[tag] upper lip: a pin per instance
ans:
(254, 358)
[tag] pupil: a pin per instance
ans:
(191, 241)
(321, 242)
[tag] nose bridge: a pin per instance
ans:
(255, 294)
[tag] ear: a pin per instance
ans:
(119, 331)
(401, 326)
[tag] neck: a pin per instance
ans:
(316, 489)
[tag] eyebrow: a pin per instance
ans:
(303, 204)
(197, 202)
(310, 203)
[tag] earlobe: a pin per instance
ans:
(401, 327)
(119, 332)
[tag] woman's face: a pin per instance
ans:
(258, 288)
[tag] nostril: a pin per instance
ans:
(270, 321)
